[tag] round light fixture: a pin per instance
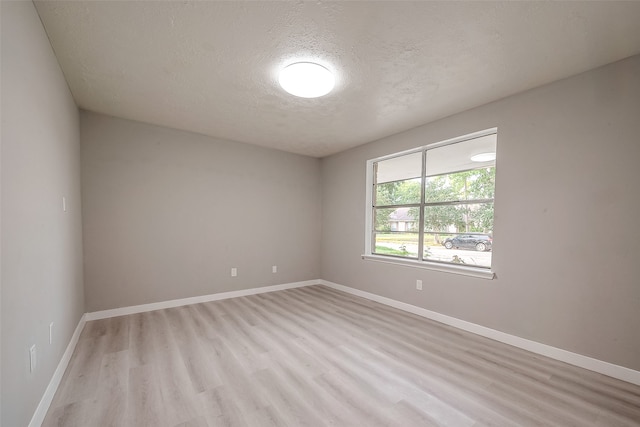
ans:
(306, 79)
(483, 157)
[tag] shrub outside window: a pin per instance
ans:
(435, 203)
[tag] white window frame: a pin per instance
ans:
(466, 270)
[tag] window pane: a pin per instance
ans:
(468, 185)
(400, 219)
(471, 218)
(481, 183)
(399, 168)
(398, 244)
(448, 218)
(457, 157)
(443, 188)
(398, 192)
(460, 249)
(478, 217)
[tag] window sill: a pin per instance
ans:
(482, 273)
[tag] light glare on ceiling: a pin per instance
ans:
(483, 157)
(306, 80)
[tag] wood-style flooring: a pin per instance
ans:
(314, 356)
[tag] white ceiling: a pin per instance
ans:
(211, 67)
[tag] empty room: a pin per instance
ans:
(320, 213)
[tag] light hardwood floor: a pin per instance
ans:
(315, 356)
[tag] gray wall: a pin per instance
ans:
(167, 213)
(41, 244)
(566, 237)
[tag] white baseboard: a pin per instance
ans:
(49, 393)
(194, 300)
(605, 368)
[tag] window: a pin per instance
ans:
(434, 205)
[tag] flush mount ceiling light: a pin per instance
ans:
(483, 157)
(306, 80)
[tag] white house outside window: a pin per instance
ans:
(434, 204)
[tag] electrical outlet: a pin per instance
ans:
(419, 284)
(274, 269)
(51, 333)
(234, 272)
(32, 358)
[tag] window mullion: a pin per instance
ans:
(459, 202)
(421, 215)
(406, 205)
(373, 210)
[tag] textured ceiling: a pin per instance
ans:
(211, 67)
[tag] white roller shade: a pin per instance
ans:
(400, 168)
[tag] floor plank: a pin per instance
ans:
(314, 356)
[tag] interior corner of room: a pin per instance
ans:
(105, 215)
